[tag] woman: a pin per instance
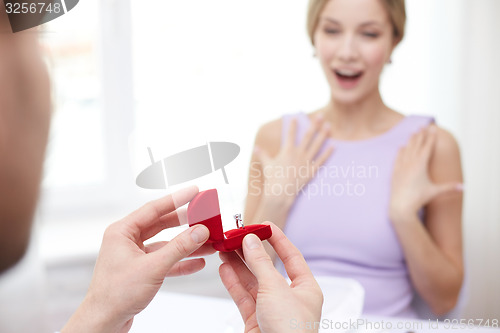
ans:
(339, 183)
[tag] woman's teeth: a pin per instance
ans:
(347, 73)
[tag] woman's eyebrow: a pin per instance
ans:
(330, 20)
(364, 24)
(370, 23)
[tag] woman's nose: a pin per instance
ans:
(347, 50)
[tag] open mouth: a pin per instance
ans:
(348, 75)
(348, 78)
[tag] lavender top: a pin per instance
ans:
(340, 221)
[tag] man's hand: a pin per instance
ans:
(128, 273)
(265, 300)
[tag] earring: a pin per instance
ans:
(390, 61)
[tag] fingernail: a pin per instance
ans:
(199, 234)
(460, 187)
(256, 149)
(251, 241)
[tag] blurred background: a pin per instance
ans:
(173, 75)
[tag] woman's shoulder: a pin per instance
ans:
(445, 161)
(269, 136)
(446, 147)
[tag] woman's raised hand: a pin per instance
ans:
(412, 187)
(295, 165)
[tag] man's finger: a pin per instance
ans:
(152, 247)
(258, 260)
(170, 220)
(205, 250)
(246, 278)
(186, 267)
(180, 247)
(295, 264)
(241, 297)
(151, 213)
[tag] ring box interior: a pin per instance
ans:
(204, 209)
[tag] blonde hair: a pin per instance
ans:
(395, 9)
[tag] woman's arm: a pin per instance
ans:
(428, 173)
(272, 182)
(261, 206)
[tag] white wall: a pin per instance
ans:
(479, 101)
(254, 63)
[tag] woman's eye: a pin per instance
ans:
(370, 34)
(332, 31)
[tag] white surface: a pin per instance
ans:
(22, 296)
(171, 312)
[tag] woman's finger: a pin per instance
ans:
(310, 133)
(442, 189)
(261, 156)
(322, 158)
(429, 143)
(420, 139)
(291, 135)
(186, 267)
(402, 155)
(318, 142)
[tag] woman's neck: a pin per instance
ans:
(364, 118)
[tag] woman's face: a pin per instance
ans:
(354, 40)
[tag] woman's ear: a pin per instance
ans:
(394, 44)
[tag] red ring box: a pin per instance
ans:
(204, 209)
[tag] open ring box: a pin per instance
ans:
(204, 209)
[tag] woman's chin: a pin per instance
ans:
(347, 97)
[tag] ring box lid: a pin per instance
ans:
(204, 209)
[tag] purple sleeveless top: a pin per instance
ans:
(340, 223)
